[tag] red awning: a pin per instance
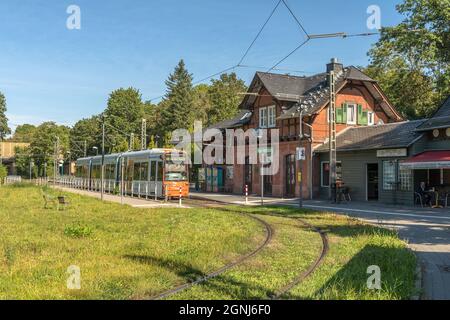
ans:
(428, 160)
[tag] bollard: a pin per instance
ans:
(246, 194)
(179, 198)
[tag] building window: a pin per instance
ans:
(405, 179)
(389, 168)
(351, 114)
(325, 173)
(263, 117)
(370, 118)
(271, 116)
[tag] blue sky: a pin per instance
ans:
(48, 72)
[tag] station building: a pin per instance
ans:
(381, 156)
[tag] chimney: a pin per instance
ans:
(335, 66)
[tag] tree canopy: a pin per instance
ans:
(411, 60)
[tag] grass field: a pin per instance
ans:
(129, 253)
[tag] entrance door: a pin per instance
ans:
(248, 174)
(372, 181)
(290, 175)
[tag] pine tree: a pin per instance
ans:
(177, 107)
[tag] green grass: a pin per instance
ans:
(122, 252)
(354, 246)
(129, 253)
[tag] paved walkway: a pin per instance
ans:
(427, 231)
(134, 202)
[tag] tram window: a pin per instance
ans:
(137, 171)
(144, 171)
(159, 165)
(153, 171)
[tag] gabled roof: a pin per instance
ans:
(243, 117)
(385, 136)
(313, 90)
(440, 119)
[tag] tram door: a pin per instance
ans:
(156, 177)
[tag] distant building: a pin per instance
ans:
(8, 153)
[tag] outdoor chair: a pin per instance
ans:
(62, 202)
(418, 199)
(48, 199)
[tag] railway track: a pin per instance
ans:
(269, 235)
(282, 292)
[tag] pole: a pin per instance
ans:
(246, 194)
(300, 164)
(55, 167)
(179, 201)
(262, 184)
(85, 148)
(144, 135)
(332, 137)
(103, 158)
(122, 165)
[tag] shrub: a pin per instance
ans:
(77, 231)
(3, 172)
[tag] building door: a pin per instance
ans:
(290, 175)
(220, 179)
(372, 181)
(248, 174)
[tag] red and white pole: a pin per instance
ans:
(246, 194)
(179, 198)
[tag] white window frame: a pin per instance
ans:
(263, 117)
(355, 111)
(271, 115)
(370, 118)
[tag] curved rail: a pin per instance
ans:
(269, 235)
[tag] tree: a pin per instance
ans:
(85, 133)
(42, 147)
(24, 133)
(420, 47)
(224, 97)
(177, 106)
(202, 103)
(124, 115)
(4, 129)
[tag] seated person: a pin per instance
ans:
(422, 190)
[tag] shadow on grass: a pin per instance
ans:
(183, 270)
(397, 275)
(222, 284)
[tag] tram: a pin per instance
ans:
(158, 173)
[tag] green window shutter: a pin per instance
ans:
(344, 113)
(364, 118)
(339, 115)
(360, 111)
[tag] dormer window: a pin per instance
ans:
(267, 117)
